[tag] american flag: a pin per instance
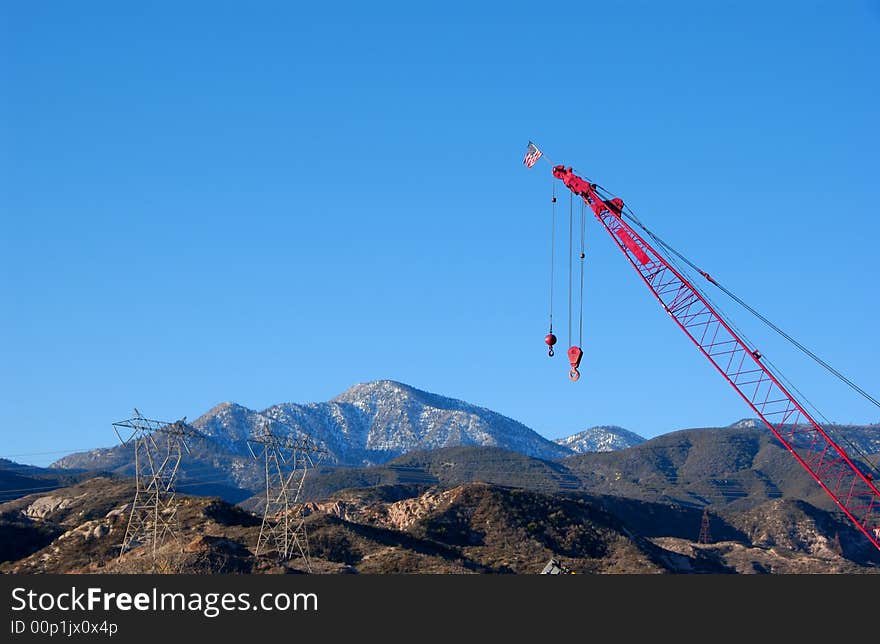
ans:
(532, 155)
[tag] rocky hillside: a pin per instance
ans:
(472, 528)
(732, 467)
(450, 466)
(603, 438)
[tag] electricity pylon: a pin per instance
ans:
(158, 450)
(287, 459)
(705, 534)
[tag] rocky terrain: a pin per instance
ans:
(470, 528)
(416, 482)
(721, 468)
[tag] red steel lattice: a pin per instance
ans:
(851, 489)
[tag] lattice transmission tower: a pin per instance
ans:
(158, 449)
(287, 459)
(705, 533)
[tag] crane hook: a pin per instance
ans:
(575, 354)
(550, 340)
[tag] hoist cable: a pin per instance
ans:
(570, 243)
(852, 385)
(873, 463)
(552, 250)
(629, 214)
(581, 296)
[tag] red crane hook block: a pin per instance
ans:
(574, 357)
(550, 340)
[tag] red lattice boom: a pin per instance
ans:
(853, 490)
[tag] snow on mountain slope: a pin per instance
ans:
(376, 421)
(368, 424)
(604, 438)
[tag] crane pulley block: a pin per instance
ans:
(575, 354)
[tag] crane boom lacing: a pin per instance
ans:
(851, 489)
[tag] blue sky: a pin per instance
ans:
(270, 203)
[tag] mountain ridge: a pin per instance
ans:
(367, 424)
(386, 431)
(601, 438)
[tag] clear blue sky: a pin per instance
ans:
(265, 202)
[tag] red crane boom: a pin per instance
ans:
(852, 490)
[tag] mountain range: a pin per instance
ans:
(369, 424)
(386, 432)
(416, 482)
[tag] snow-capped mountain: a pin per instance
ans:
(370, 423)
(377, 421)
(604, 438)
(747, 423)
